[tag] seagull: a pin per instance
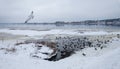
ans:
(29, 17)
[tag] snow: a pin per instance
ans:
(46, 49)
(107, 58)
(42, 52)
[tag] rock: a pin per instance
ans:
(83, 54)
(63, 47)
(44, 51)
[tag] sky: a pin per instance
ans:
(17, 11)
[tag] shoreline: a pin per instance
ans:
(28, 53)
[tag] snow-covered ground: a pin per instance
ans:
(107, 58)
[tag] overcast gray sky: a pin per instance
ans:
(17, 11)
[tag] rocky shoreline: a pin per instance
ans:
(63, 46)
(55, 46)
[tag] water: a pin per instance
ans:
(32, 26)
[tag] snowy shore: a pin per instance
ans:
(19, 57)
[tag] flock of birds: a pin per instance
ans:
(67, 45)
(64, 46)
